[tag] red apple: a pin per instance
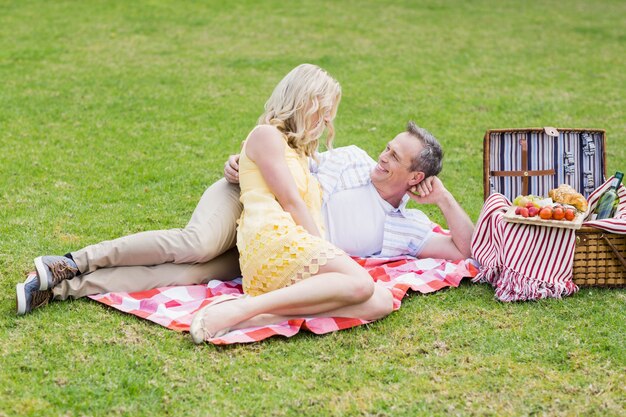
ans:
(523, 212)
(545, 213)
(570, 214)
(533, 211)
(558, 213)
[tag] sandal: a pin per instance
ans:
(197, 330)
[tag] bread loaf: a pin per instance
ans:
(565, 194)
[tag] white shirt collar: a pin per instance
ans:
(388, 207)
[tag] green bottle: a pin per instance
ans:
(609, 200)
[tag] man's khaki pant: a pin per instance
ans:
(203, 250)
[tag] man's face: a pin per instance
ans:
(393, 171)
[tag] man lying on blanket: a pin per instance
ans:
(364, 208)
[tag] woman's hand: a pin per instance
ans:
(231, 169)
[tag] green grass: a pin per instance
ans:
(115, 116)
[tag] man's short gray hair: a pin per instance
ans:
(430, 159)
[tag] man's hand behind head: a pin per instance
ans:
(430, 191)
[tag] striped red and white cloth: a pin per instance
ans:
(528, 262)
(174, 307)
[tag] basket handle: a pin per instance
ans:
(615, 251)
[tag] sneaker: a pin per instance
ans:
(54, 269)
(28, 295)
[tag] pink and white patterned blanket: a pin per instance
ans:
(174, 307)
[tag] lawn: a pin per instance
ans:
(115, 116)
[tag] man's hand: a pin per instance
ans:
(231, 169)
(430, 191)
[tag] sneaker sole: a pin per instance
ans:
(20, 299)
(42, 272)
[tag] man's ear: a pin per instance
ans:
(416, 178)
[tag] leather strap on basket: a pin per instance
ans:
(525, 172)
(615, 251)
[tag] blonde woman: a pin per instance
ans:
(288, 268)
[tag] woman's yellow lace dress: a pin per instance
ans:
(274, 252)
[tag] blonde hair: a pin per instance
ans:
(306, 90)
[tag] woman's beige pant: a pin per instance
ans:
(203, 250)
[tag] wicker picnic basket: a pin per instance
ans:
(535, 160)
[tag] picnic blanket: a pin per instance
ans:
(528, 262)
(174, 307)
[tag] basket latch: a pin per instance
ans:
(551, 131)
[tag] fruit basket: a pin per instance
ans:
(535, 160)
